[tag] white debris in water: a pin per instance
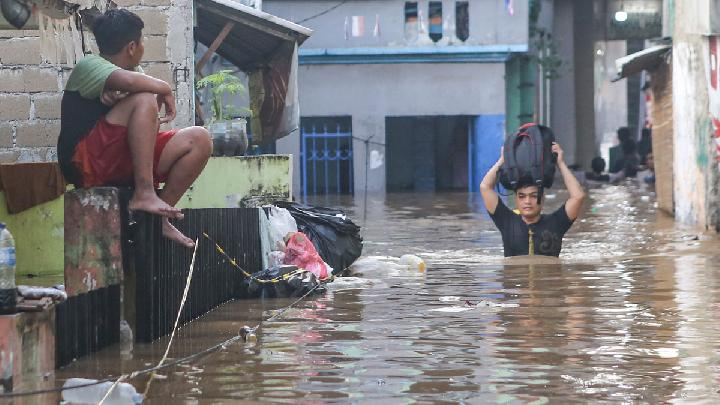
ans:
(351, 283)
(470, 305)
(451, 309)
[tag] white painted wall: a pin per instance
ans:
(693, 167)
(489, 22)
(369, 93)
(610, 97)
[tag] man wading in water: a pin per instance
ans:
(529, 232)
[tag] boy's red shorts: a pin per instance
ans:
(103, 156)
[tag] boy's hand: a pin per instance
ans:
(111, 97)
(560, 154)
(167, 100)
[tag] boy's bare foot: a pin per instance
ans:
(172, 233)
(150, 202)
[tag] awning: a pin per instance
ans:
(639, 61)
(255, 37)
(266, 48)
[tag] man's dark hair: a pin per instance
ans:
(115, 29)
(623, 134)
(525, 182)
(598, 164)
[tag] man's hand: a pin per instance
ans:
(111, 97)
(167, 100)
(502, 157)
(560, 154)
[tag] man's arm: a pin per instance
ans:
(577, 194)
(129, 82)
(487, 186)
(134, 82)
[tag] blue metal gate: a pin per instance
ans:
(486, 137)
(327, 161)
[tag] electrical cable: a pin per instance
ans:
(321, 13)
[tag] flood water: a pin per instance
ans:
(629, 313)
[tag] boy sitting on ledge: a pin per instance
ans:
(110, 126)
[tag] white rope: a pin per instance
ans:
(172, 335)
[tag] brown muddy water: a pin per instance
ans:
(629, 314)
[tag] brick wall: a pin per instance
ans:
(662, 136)
(30, 90)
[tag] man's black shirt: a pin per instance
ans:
(547, 232)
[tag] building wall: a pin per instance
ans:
(369, 93)
(490, 23)
(31, 90)
(611, 100)
(562, 115)
(662, 135)
(30, 94)
(694, 157)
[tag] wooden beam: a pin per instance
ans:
(214, 46)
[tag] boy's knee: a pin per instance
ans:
(144, 99)
(201, 139)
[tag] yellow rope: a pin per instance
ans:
(245, 273)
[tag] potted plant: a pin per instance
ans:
(227, 124)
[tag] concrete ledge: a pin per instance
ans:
(27, 349)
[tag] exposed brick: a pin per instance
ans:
(9, 156)
(14, 106)
(20, 51)
(48, 106)
(159, 71)
(28, 80)
(38, 133)
(6, 140)
(155, 49)
(156, 21)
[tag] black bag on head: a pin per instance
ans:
(528, 158)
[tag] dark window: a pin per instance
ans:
(462, 20)
(435, 26)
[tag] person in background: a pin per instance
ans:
(598, 169)
(627, 165)
(647, 175)
(616, 152)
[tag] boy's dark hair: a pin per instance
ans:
(598, 165)
(115, 29)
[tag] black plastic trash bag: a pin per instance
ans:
(294, 284)
(334, 235)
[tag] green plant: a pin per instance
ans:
(222, 83)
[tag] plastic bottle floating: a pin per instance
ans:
(248, 334)
(8, 292)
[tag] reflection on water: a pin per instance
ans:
(628, 314)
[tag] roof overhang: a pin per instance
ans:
(646, 59)
(255, 36)
(420, 54)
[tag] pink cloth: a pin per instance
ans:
(300, 252)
